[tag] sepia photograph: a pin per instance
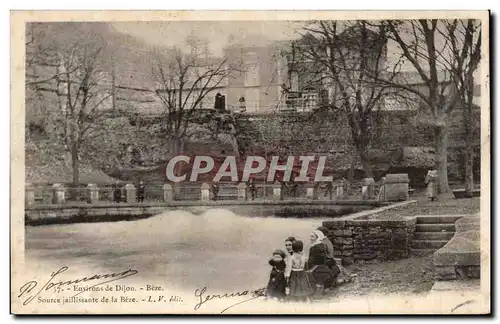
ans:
(257, 162)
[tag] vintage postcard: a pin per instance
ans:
(250, 162)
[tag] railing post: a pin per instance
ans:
(277, 194)
(168, 192)
(29, 195)
(367, 188)
(205, 192)
(310, 191)
(340, 190)
(58, 194)
(130, 193)
(242, 191)
(92, 193)
(381, 193)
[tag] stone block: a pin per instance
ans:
(347, 261)
(168, 192)
(367, 189)
(29, 195)
(386, 234)
(277, 194)
(348, 241)
(130, 193)
(205, 192)
(58, 194)
(464, 247)
(337, 232)
(396, 187)
(310, 192)
(337, 252)
(445, 273)
(348, 247)
(92, 193)
(338, 240)
(347, 253)
(347, 232)
(365, 256)
(242, 191)
(334, 224)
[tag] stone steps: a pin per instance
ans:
(432, 233)
(435, 227)
(433, 236)
(437, 219)
(428, 244)
(421, 252)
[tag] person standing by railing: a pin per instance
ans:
(252, 188)
(117, 192)
(215, 190)
(141, 191)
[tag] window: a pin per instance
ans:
(309, 100)
(251, 75)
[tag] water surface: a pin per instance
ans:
(216, 248)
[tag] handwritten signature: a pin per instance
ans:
(28, 289)
(200, 293)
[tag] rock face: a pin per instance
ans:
(371, 239)
(460, 258)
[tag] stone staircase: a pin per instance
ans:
(432, 233)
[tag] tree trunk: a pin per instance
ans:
(441, 160)
(469, 150)
(176, 146)
(363, 155)
(75, 165)
(469, 174)
(354, 161)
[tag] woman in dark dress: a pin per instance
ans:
(317, 263)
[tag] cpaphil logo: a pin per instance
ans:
(297, 170)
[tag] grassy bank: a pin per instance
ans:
(449, 206)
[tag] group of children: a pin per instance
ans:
(289, 278)
(297, 278)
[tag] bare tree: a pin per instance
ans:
(184, 79)
(464, 38)
(422, 44)
(74, 65)
(348, 59)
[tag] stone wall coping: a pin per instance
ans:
(464, 247)
(365, 213)
(396, 178)
(370, 223)
(180, 203)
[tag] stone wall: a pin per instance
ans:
(371, 239)
(109, 212)
(395, 133)
(460, 258)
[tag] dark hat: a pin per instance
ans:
(298, 246)
(290, 239)
(279, 252)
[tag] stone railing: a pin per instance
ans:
(392, 188)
